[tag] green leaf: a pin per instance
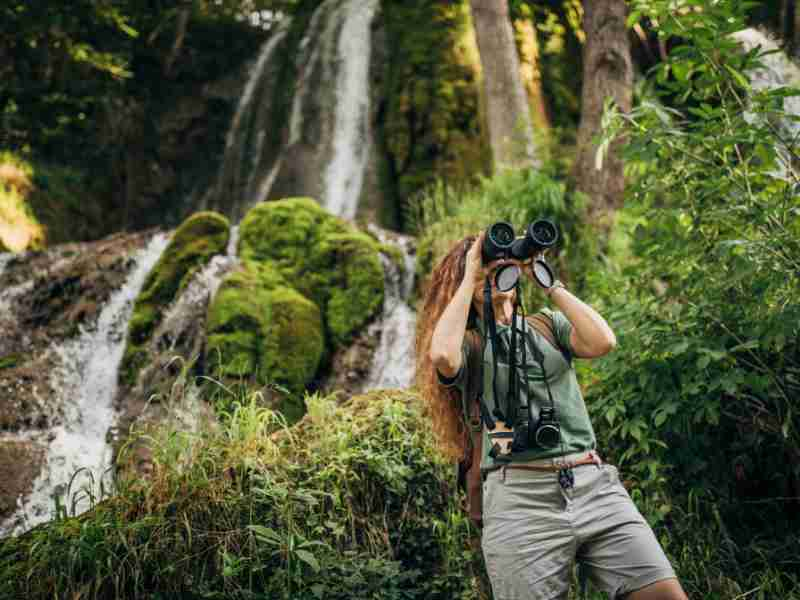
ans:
(308, 558)
(740, 79)
(266, 534)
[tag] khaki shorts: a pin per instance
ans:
(534, 531)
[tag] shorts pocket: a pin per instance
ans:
(489, 490)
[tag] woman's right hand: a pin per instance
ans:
(474, 271)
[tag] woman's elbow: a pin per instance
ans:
(609, 343)
(446, 364)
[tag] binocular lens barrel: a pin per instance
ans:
(501, 242)
(540, 235)
(498, 241)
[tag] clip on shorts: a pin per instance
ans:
(534, 531)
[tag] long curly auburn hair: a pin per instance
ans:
(443, 404)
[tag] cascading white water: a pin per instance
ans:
(191, 305)
(244, 142)
(87, 381)
(778, 71)
(393, 362)
(351, 147)
(308, 55)
(326, 157)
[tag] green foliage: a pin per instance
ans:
(444, 215)
(698, 404)
(354, 502)
(194, 243)
(560, 41)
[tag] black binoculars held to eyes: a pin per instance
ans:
(501, 242)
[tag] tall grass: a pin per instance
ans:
(351, 502)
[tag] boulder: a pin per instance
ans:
(321, 256)
(195, 242)
(260, 329)
(20, 463)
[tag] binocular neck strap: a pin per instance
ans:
(490, 335)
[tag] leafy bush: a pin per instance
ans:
(354, 501)
(699, 402)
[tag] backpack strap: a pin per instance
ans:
(469, 468)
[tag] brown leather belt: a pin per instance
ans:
(592, 458)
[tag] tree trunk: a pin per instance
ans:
(180, 35)
(607, 72)
(508, 111)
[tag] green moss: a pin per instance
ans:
(294, 348)
(322, 257)
(263, 331)
(9, 361)
(431, 126)
(355, 285)
(194, 243)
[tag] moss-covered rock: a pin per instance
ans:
(430, 126)
(322, 257)
(195, 242)
(260, 329)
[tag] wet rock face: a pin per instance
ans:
(45, 297)
(20, 462)
(199, 238)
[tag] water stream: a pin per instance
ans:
(393, 361)
(238, 176)
(87, 380)
(345, 173)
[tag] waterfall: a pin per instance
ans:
(189, 309)
(393, 363)
(326, 133)
(87, 381)
(778, 71)
(345, 172)
(238, 177)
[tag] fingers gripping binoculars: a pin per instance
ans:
(501, 242)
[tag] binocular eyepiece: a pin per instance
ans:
(501, 242)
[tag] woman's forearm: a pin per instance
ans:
(448, 335)
(591, 335)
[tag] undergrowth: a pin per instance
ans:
(351, 502)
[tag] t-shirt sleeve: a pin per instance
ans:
(562, 329)
(458, 380)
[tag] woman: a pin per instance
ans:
(543, 508)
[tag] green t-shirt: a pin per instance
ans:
(577, 434)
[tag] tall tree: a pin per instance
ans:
(508, 111)
(607, 73)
